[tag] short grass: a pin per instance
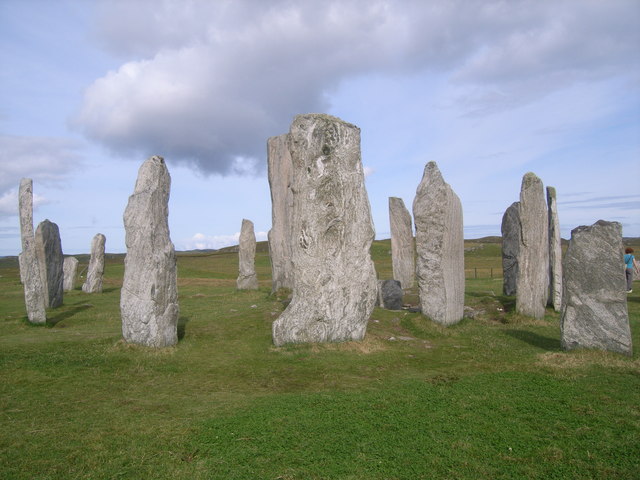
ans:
(493, 397)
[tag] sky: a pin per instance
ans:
(490, 90)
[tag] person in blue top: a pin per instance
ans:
(628, 263)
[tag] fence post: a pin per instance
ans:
(475, 273)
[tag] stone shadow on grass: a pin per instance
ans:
(68, 313)
(182, 327)
(539, 341)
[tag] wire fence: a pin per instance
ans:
(482, 273)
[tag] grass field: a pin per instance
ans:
(493, 397)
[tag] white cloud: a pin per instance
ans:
(212, 80)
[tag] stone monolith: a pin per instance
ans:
(34, 293)
(50, 259)
(402, 243)
(70, 270)
(594, 303)
(510, 229)
(95, 270)
(247, 278)
(149, 297)
(532, 284)
(280, 171)
(334, 278)
(390, 294)
(21, 267)
(437, 213)
(555, 252)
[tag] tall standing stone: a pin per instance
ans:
(335, 284)
(280, 170)
(95, 270)
(594, 303)
(533, 257)
(511, 238)
(247, 278)
(555, 252)
(149, 297)
(437, 212)
(70, 270)
(50, 258)
(34, 293)
(402, 244)
(21, 266)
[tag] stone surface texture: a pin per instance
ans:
(511, 238)
(70, 270)
(594, 303)
(50, 259)
(95, 270)
(390, 294)
(402, 243)
(532, 284)
(34, 293)
(247, 278)
(555, 252)
(335, 284)
(437, 213)
(149, 297)
(280, 171)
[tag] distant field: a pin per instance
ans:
(493, 397)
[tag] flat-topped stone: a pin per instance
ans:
(247, 278)
(50, 259)
(402, 243)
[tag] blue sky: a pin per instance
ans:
(489, 90)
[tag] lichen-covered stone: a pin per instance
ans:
(437, 213)
(280, 170)
(594, 300)
(70, 270)
(402, 243)
(247, 278)
(95, 270)
(555, 252)
(149, 297)
(34, 293)
(50, 259)
(510, 229)
(533, 256)
(335, 283)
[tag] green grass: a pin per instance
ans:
(490, 398)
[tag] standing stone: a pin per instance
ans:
(533, 257)
(335, 283)
(50, 258)
(247, 278)
(555, 252)
(594, 303)
(437, 212)
(390, 294)
(21, 266)
(280, 172)
(402, 245)
(70, 269)
(34, 293)
(95, 270)
(511, 238)
(149, 297)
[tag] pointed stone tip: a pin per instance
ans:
(551, 192)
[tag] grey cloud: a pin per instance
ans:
(207, 82)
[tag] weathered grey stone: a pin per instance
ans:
(50, 258)
(511, 233)
(437, 213)
(34, 293)
(95, 270)
(402, 243)
(594, 303)
(555, 252)
(335, 283)
(247, 279)
(533, 257)
(390, 294)
(21, 267)
(281, 238)
(70, 269)
(149, 297)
